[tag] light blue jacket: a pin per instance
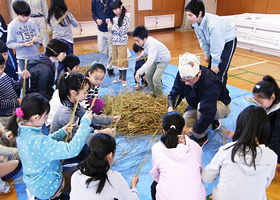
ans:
(40, 156)
(213, 33)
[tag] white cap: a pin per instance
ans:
(188, 65)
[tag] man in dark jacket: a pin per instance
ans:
(206, 95)
(101, 11)
(43, 70)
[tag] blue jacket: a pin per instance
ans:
(40, 156)
(97, 10)
(206, 91)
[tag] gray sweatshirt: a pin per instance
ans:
(38, 7)
(239, 181)
(19, 33)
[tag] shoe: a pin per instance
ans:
(117, 81)
(124, 84)
(201, 141)
(111, 73)
(216, 124)
(145, 84)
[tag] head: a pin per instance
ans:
(2, 64)
(173, 124)
(195, 11)
(71, 64)
(96, 73)
(189, 68)
(35, 109)
(96, 166)
(252, 128)
(117, 6)
(140, 35)
(138, 50)
(4, 50)
(22, 10)
(74, 87)
(57, 49)
(57, 9)
(266, 92)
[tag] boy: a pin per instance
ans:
(139, 50)
(216, 36)
(22, 34)
(43, 70)
(9, 69)
(158, 59)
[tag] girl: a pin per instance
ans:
(176, 167)
(267, 94)
(40, 155)
(60, 19)
(95, 179)
(119, 37)
(247, 161)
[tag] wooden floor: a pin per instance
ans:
(247, 68)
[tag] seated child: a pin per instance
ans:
(176, 166)
(94, 178)
(40, 154)
(9, 100)
(139, 50)
(246, 165)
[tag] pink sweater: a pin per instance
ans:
(178, 171)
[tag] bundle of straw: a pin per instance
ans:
(141, 113)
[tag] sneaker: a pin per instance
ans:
(201, 141)
(216, 124)
(124, 83)
(111, 73)
(117, 81)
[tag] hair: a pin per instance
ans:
(136, 48)
(58, 8)
(252, 126)
(70, 62)
(173, 123)
(55, 47)
(32, 104)
(115, 5)
(195, 6)
(266, 88)
(21, 8)
(3, 47)
(2, 59)
(73, 81)
(94, 67)
(96, 165)
(141, 32)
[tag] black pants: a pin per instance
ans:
(225, 60)
(153, 190)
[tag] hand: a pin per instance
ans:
(68, 127)
(215, 69)
(116, 118)
(134, 181)
(186, 131)
(35, 39)
(108, 21)
(27, 44)
(138, 58)
(25, 74)
(89, 115)
(229, 133)
(207, 59)
(99, 21)
(170, 109)
(108, 131)
(137, 77)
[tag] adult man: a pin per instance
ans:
(216, 36)
(101, 11)
(206, 95)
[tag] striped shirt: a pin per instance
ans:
(92, 92)
(8, 95)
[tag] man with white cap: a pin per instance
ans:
(207, 96)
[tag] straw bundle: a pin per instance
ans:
(141, 113)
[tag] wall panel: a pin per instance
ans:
(273, 7)
(260, 6)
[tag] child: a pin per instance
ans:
(158, 59)
(40, 155)
(176, 167)
(22, 34)
(61, 29)
(119, 37)
(267, 94)
(139, 50)
(95, 179)
(9, 100)
(246, 166)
